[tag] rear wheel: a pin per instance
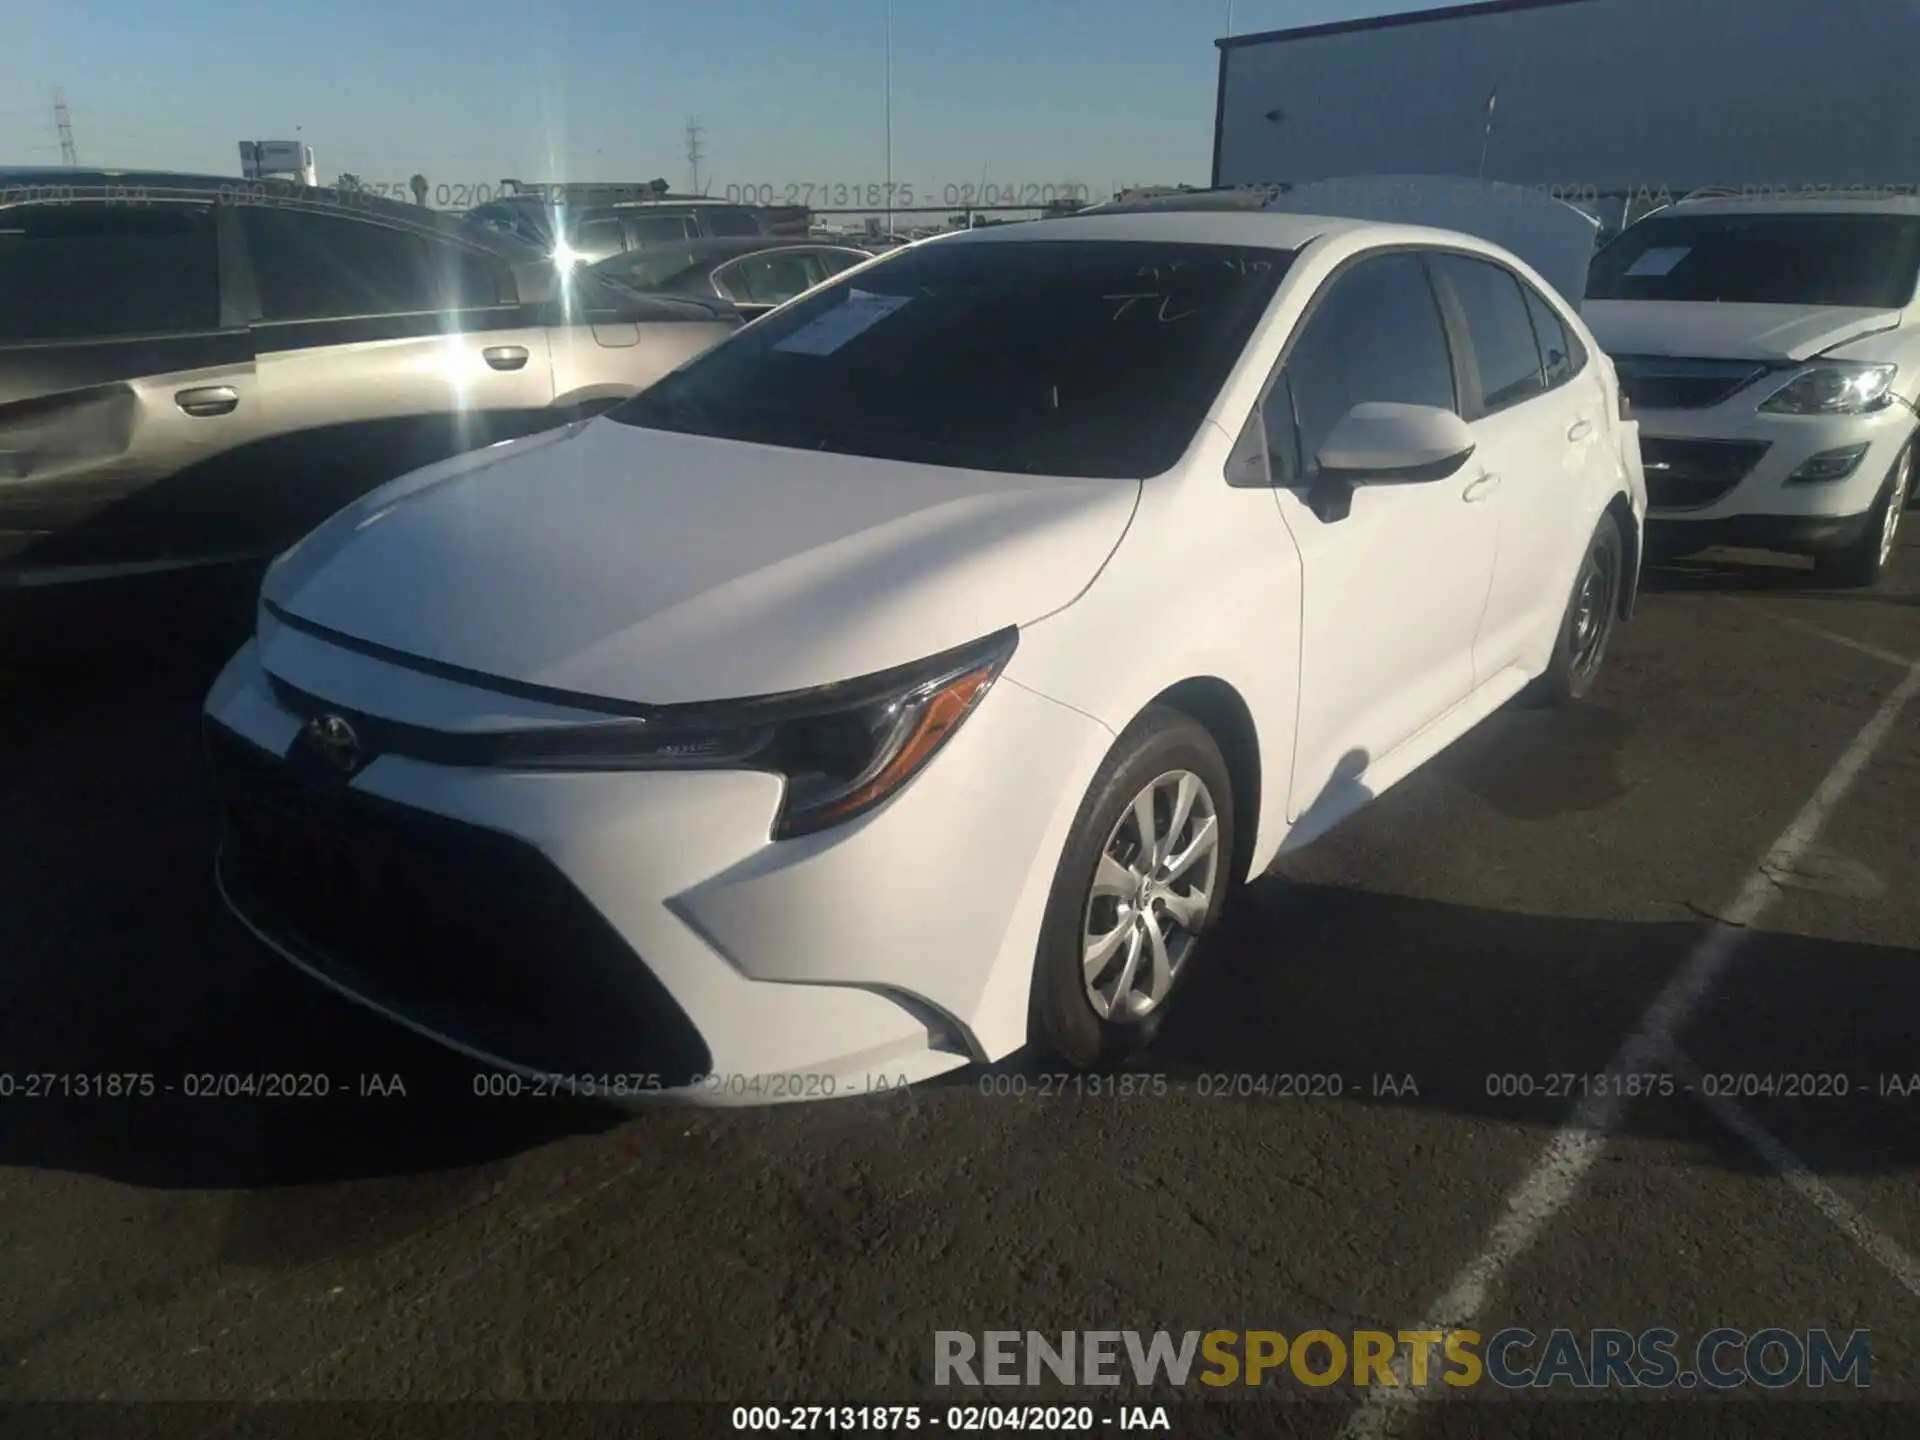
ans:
(1143, 877)
(1588, 624)
(1861, 563)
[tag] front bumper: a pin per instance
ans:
(636, 934)
(1730, 480)
(1788, 534)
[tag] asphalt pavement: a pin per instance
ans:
(1714, 859)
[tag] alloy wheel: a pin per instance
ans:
(1593, 606)
(1150, 896)
(1896, 503)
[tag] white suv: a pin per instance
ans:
(1771, 350)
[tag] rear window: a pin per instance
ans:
(1094, 359)
(1870, 261)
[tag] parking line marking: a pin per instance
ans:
(1555, 1179)
(1862, 1231)
(1820, 632)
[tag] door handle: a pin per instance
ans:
(1480, 489)
(1581, 430)
(208, 400)
(505, 357)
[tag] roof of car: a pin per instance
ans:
(1267, 229)
(1801, 204)
(17, 184)
(21, 184)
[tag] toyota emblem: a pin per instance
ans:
(335, 743)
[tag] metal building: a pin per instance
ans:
(1587, 97)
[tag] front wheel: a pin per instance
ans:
(1861, 563)
(1588, 624)
(1143, 877)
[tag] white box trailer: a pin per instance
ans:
(1586, 98)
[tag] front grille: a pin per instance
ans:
(471, 933)
(1690, 474)
(1659, 383)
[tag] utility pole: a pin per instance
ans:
(889, 117)
(695, 151)
(63, 122)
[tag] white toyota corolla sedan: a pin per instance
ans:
(910, 677)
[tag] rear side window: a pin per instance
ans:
(729, 223)
(1505, 355)
(326, 267)
(657, 229)
(1375, 335)
(81, 271)
(1561, 354)
(600, 237)
(771, 278)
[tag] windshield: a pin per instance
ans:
(1869, 260)
(1051, 357)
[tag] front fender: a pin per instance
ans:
(1205, 585)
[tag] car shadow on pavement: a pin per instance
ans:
(1507, 1017)
(121, 970)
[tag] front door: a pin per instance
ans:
(380, 350)
(1394, 587)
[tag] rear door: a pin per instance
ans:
(125, 367)
(1537, 410)
(381, 348)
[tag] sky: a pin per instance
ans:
(788, 92)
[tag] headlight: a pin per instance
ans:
(1835, 390)
(843, 749)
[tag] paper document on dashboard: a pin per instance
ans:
(854, 316)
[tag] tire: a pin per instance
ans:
(1861, 564)
(1163, 755)
(1592, 613)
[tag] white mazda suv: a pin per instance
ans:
(1771, 351)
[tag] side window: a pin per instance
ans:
(834, 261)
(731, 223)
(1504, 350)
(1561, 352)
(1376, 335)
(324, 267)
(81, 271)
(1283, 433)
(771, 278)
(657, 229)
(599, 237)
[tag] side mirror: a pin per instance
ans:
(1379, 442)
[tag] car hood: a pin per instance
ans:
(641, 565)
(1708, 331)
